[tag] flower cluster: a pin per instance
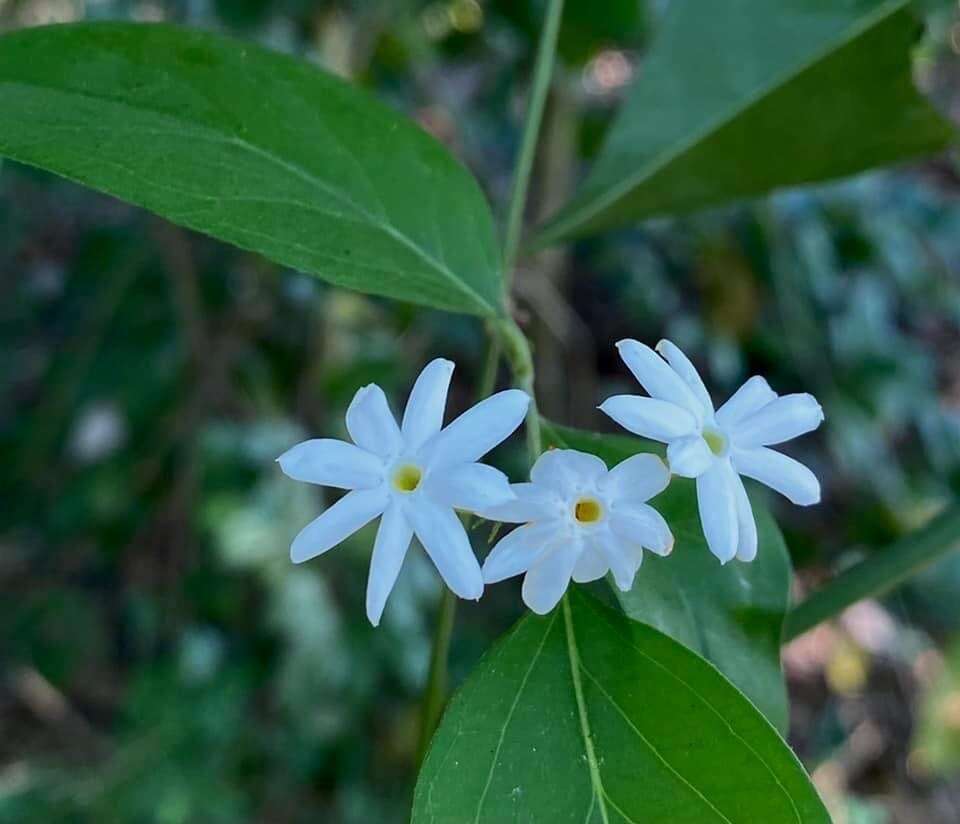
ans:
(577, 519)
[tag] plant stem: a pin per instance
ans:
(516, 348)
(435, 695)
(542, 73)
(879, 573)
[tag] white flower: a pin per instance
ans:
(580, 521)
(414, 475)
(718, 447)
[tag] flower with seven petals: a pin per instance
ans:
(580, 521)
(717, 447)
(413, 475)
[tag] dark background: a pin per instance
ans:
(161, 661)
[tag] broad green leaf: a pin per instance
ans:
(585, 716)
(732, 615)
(738, 97)
(255, 148)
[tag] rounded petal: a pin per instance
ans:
(638, 478)
(371, 423)
(445, 540)
(749, 398)
(516, 552)
(478, 430)
(472, 487)
(747, 525)
(650, 418)
(591, 565)
(718, 510)
(656, 376)
(548, 578)
(567, 470)
(332, 463)
(780, 420)
(423, 416)
(353, 511)
(689, 457)
(780, 472)
(389, 550)
(532, 503)
(618, 555)
(642, 524)
(680, 364)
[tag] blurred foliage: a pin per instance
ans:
(161, 661)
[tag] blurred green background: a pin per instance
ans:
(161, 660)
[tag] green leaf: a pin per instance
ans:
(255, 148)
(731, 615)
(739, 97)
(584, 716)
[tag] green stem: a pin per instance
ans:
(516, 348)
(879, 573)
(542, 74)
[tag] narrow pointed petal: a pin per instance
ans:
(591, 565)
(747, 525)
(478, 430)
(516, 552)
(353, 511)
(566, 470)
(689, 457)
(618, 556)
(547, 580)
(718, 511)
(650, 418)
(371, 423)
(642, 524)
(780, 420)
(681, 364)
(638, 478)
(472, 487)
(532, 503)
(656, 376)
(423, 417)
(749, 398)
(780, 472)
(389, 550)
(445, 540)
(332, 463)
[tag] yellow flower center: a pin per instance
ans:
(407, 478)
(716, 440)
(587, 511)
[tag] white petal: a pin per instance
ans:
(332, 463)
(780, 472)
(533, 503)
(689, 457)
(618, 556)
(371, 423)
(472, 487)
(445, 540)
(656, 376)
(478, 430)
(591, 565)
(650, 418)
(718, 510)
(638, 478)
(389, 550)
(567, 471)
(688, 373)
(353, 511)
(747, 525)
(780, 420)
(752, 396)
(516, 552)
(642, 524)
(548, 578)
(423, 417)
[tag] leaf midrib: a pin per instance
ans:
(663, 160)
(292, 168)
